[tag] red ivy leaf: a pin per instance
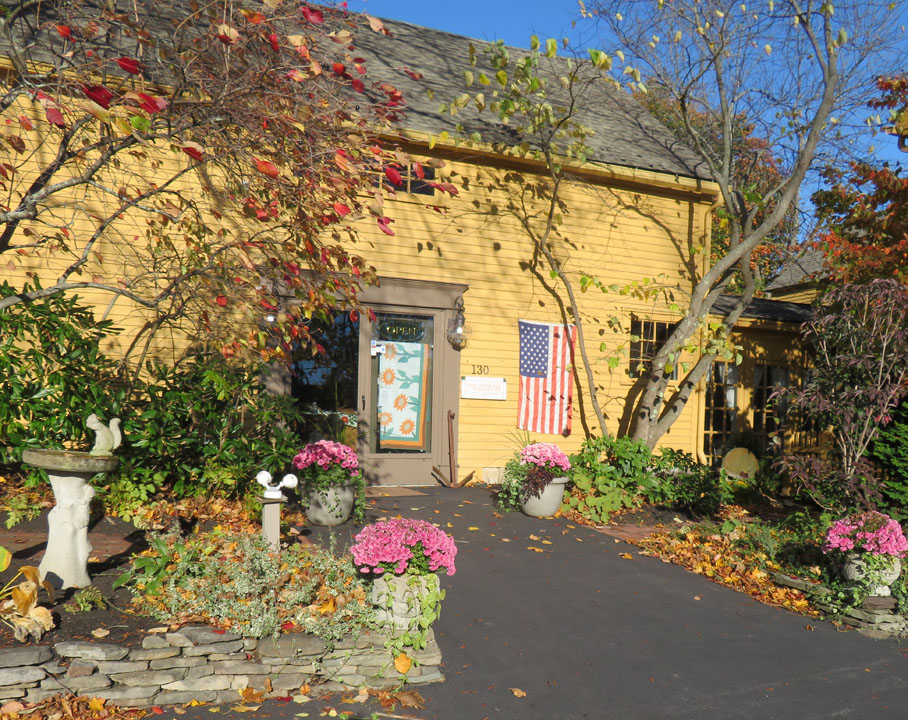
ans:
(341, 209)
(99, 94)
(383, 225)
(338, 68)
(267, 305)
(221, 300)
(371, 315)
(151, 103)
(65, 31)
(316, 17)
(413, 74)
(418, 169)
(267, 168)
(272, 38)
(393, 175)
(25, 123)
(358, 85)
(130, 65)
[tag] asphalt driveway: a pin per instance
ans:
(587, 628)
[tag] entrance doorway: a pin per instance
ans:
(387, 380)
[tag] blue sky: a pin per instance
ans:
(510, 20)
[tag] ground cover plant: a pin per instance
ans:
(303, 589)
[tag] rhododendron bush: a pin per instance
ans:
(403, 546)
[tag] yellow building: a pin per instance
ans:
(435, 369)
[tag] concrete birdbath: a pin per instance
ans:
(65, 562)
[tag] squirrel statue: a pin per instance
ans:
(107, 439)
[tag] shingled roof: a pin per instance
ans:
(797, 270)
(625, 133)
(766, 309)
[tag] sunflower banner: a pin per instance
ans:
(403, 374)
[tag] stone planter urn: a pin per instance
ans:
(65, 561)
(855, 569)
(399, 599)
(548, 502)
(332, 506)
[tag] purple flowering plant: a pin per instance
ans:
(871, 532)
(328, 464)
(401, 545)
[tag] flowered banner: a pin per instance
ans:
(403, 371)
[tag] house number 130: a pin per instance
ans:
(480, 369)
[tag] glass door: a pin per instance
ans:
(399, 423)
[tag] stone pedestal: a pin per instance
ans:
(65, 562)
(271, 521)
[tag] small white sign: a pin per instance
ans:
(376, 348)
(483, 387)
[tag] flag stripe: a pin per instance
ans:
(544, 402)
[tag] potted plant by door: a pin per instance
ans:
(331, 484)
(534, 480)
(868, 546)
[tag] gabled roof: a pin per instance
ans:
(625, 134)
(798, 270)
(766, 309)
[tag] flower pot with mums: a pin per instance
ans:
(868, 547)
(332, 488)
(534, 480)
(404, 558)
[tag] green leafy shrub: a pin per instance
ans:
(259, 592)
(890, 452)
(691, 486)
(611, 474)
(202, 427)
(54, 376)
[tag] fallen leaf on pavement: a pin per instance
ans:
(626, 556)
(518, 692)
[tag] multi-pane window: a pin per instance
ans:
(405, 177)
(721, 410)
(768, 412)
(647, 336)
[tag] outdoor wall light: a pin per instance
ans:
(458, 334)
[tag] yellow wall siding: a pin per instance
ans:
(616, 235)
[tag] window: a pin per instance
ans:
(769, 415)
(721, 410)
(410, 182)
(647, 337)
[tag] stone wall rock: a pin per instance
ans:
(201, 663)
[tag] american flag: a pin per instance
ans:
(546, 380)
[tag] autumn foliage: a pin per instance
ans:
(207, 162)
(865, 209)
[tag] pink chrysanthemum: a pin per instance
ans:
(401, 545)
(870, 532)
(544, 455)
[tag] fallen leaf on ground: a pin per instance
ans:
(99, 633)
(535, 549)
(402, 663)
(472, 527)
(626, 556)
(518, 692)
(534, 537)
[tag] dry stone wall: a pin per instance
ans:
(209, 665)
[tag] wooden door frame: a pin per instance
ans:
(413, 296)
